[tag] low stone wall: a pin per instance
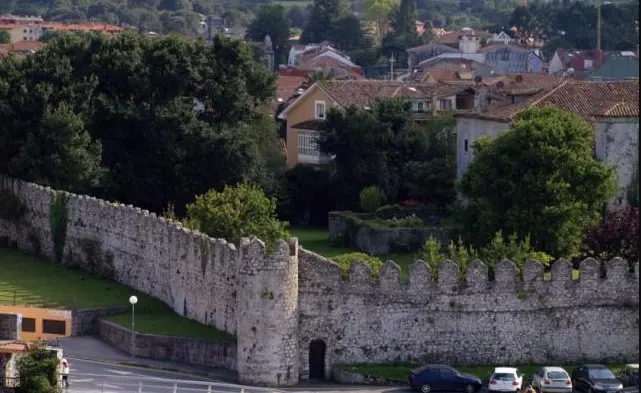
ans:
(84, 321)
(220, 354)
(349, 378)
(9, 327)
(379, 241)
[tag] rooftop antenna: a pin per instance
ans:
(391, 65)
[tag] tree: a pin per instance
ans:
(271, 20)
(323, 15)
(152, 112)
(380, 11)
(616, 235)
(5, 37)
(298, 16)
(347, 34)
(540, 179)
(237, 212)
(38, 372)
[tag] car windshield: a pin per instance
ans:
(504, 377)
(557, 375)
(601, 373)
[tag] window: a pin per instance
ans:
(466, 143)
(307, 145)
(557, 375)
(445, 104)
(418, 106)
(319, 111)
(54, 327)
(29, 325)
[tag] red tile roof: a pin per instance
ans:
(287, 85)
(365, 92)
(14, 347)
(577, 59)
(586, 99)
(452, 37)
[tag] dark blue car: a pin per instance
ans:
(442, 378)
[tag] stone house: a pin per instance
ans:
(575, 62)
(305, 114)
(611, 108)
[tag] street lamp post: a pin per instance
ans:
(133, 300)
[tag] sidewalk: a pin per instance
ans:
(92, 348)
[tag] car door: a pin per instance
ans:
(449, 380)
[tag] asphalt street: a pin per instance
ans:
(97, 377)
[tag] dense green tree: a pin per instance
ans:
(540, 178)
(38, 372)
(298, 16)
(347, 34)
(380, 12)
(5, 37)
(154, 112)
(237, 212)
(271, 20)
(323, 15)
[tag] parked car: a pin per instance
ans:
(629, 375)
(595, 378)
(439, 378)
(551, 380)
(505, 379)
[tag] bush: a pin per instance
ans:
(616, 235)
(371, 199)
(518, 251)
(237, 212)
(411, 221)
(345, 261)
(308, 199)
(38, 372)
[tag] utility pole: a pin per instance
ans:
(598, 28)
(391, 65)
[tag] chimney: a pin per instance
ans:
(482, 97)
(434, 103)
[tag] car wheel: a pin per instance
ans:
(469, 388)
(426, 388)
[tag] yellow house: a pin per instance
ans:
(26, 32)
(306, 114)
(41, 323)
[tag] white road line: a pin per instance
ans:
(119, 372)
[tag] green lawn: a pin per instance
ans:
(300, 3)
(401, 371)
(315, 239)
(31, 281)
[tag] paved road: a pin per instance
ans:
(96, 377)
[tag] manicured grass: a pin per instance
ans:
(315, 239)
(288, 4)
(26, 280)
(401, 371)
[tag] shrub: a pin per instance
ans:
(38, 372)
(616, 235)
(345, 261)
(237, 212)
(411, 221)
(371, 199)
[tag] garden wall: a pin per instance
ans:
(84, 320)
(219, 354)
(348, 230)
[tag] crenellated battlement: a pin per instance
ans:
(280, 298)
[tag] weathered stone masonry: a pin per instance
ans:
(278, 303)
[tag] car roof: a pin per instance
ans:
(554, 368)
(632, 365)
(505, 370)
(432, 366)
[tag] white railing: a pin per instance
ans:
(101, 383)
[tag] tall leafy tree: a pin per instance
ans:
(347, 34)
(271, 20)
(139, 120)
(380, 11)
(323, 15)
(540, 178)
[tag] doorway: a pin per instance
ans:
(317, 359)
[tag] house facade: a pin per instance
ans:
(305, 115)
(612, 111)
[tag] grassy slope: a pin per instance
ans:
(401, 371)
(31, 281)
(315, 240)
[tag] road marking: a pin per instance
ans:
(82, 380)
(119, 372)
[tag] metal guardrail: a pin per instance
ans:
(141, 384)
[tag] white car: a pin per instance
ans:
(551, 380)
(505, 379)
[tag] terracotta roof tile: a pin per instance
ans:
(14, 347)
(586, 99)
(365, 92)
(451, 37)
(25, 46)
(287, 85)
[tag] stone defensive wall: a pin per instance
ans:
(293, 315)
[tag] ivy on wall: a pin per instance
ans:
(59, 223)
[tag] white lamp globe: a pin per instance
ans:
(133, 300)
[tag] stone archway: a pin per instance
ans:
(317, 350)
